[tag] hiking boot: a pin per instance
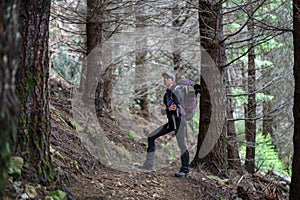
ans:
(149, 163)
(185, 162)
(182, 174)
(146, 167)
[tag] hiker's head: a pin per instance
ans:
(169, 79)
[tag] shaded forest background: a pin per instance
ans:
(250, 43)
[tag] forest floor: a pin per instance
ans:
(82, 176)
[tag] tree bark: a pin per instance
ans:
(34, 125)
(9, 55)
(234, 161)
(250, 124)
(91, 86)
(210, 36)
(295, 192)
(96, 82)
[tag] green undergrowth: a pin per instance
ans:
(266, 157)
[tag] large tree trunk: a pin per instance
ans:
(250, 124)
(9, 55)
(295, 192)
(211, 35)
(96, 83)
(91, 86)
(34, 128)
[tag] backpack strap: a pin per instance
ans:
(178, 90)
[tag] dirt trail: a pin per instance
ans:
(84, 177)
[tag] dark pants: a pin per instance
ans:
(167, 128)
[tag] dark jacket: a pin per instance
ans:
(173, 96)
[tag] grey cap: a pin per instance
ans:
(169, 74)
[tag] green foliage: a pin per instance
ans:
(132, 136)
(262, 98)
(241, 97)
(15, 166)
(270, 45)
(233, 26)
(74, 124)
(260, 62)
(265, 155)
(58, 195)
(263, 64)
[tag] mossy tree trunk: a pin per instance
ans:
(32, 76)
(8, 65)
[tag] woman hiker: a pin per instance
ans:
(176, 122)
